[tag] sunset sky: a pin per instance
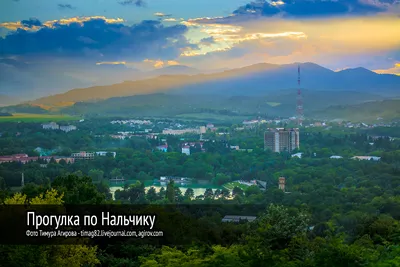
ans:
(75, 36)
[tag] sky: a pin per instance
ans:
(58, 45)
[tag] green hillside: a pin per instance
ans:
(283, 104)
(374, 111)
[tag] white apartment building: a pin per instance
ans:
(51, 126)
(104, 153)
(68, 128)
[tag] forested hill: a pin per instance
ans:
(274, 104)
(367, 112)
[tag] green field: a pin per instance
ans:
(273, 104)
(27, 117)
(232, 185)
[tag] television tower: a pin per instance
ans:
(299, 105)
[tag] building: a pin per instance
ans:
(22, 158)
(186, 150)
(203, 129)
(210, 125)
(58, 159)
(336, 157)
(251, 122)
(83, 155)
(51, 126)
(297, 155)
(238, 218)
(163, 148)
(181, 131)
(367, 158)
(282, 183)
(68, 128)
(104, 153)
(281, 139)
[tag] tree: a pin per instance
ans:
(116, 173)
(225, 193)
(152, 194)
(46, 256)
(208, 193)
(136, 193)
(237, 191)
(170, 193)
(189, 194)
(178, 194)
(252, 190)
(162, 193)
(96, 175)
(78, 190)
(278, 226)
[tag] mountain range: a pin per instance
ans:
(268, 89)
(258, 79)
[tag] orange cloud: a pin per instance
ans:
(160, 63)
(394, 70)
(112, 63)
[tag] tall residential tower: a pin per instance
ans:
(281, 139)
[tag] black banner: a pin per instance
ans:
(100, 224)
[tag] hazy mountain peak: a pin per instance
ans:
(357, 70)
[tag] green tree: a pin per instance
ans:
(189, 193)
(46, 256)
(170, 192)
(152, 194)
(96, 175)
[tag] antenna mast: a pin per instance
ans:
(299, 106)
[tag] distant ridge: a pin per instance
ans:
(257, 79)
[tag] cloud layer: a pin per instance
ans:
(94, 37)
(313, 8)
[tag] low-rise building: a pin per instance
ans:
(83, 155)
(186, 150)
(104, 153)
(238, 218)
(336, 157)
(51, 126)
(163, 148)
(68, 128)
(210, 125)
(297, 155)
(367, 158)
(58, 159)
(180, 131)
(251, 122)
(23, 158)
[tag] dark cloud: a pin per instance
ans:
(207, 41)
(310, 8)
(65, 6)
(139, 3)
(96, 39)
(31, 22)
